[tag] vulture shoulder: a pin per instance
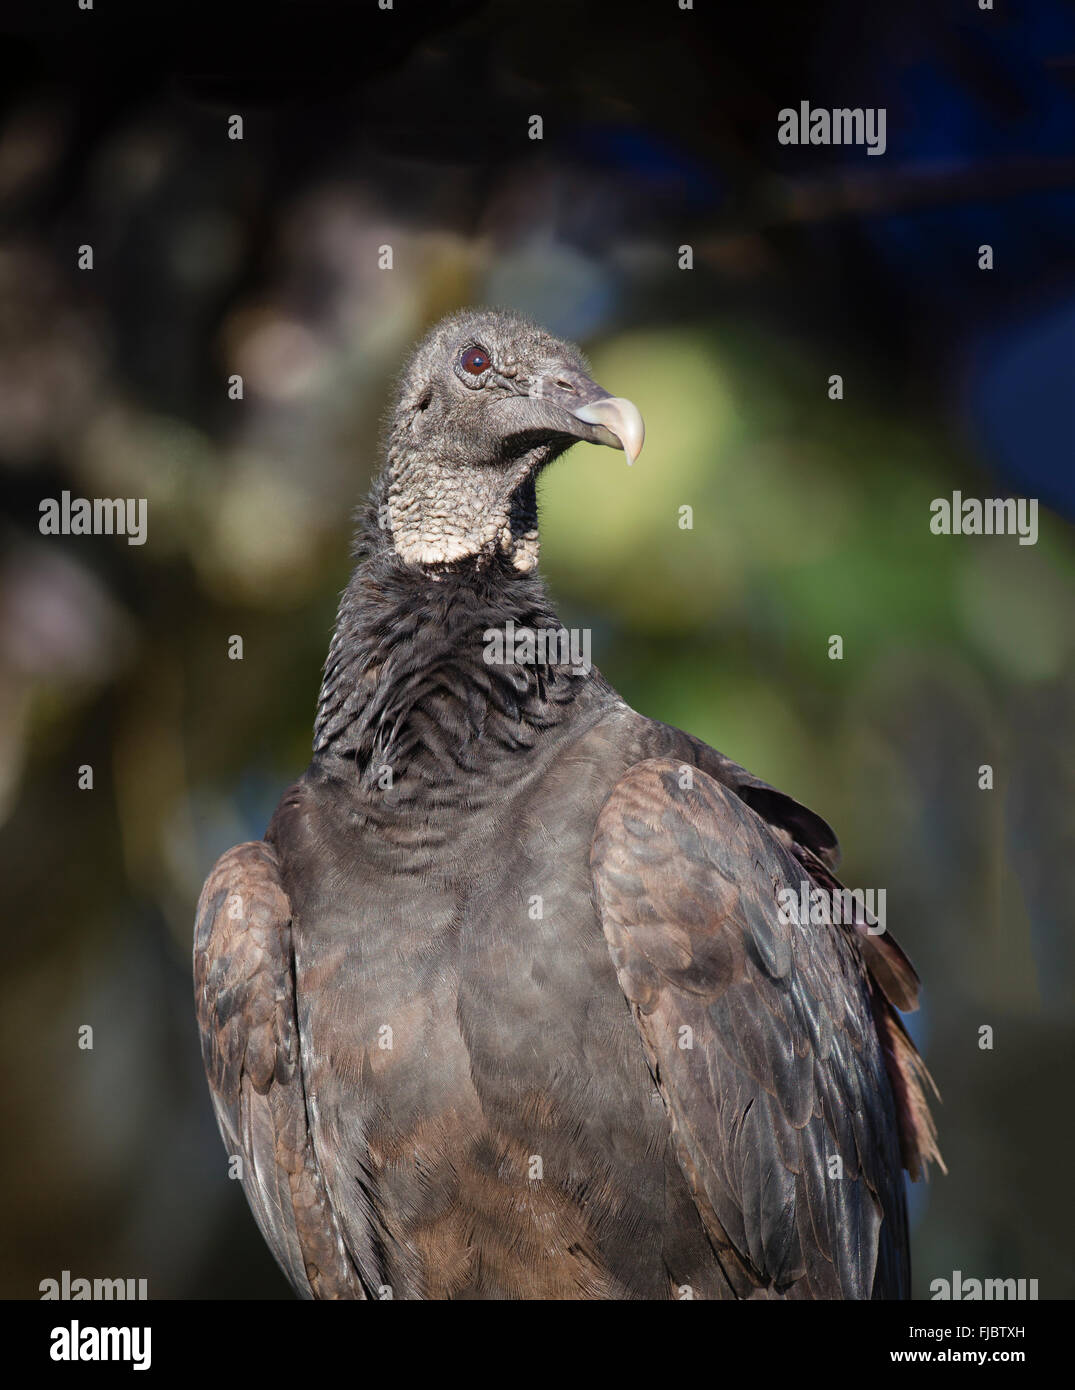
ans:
(244, 985)
(774, 1047)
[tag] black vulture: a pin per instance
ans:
(506, 1003)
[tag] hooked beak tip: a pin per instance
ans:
(620, 418)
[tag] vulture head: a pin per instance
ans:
(485, 403)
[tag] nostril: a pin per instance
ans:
(566, 385)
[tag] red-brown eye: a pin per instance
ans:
(474, 360)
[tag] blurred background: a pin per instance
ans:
(409, 128)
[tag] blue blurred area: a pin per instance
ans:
(1021, 405)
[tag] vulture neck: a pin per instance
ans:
(416, 690)
(432, 525)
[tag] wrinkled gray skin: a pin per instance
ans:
(521, 1034)
(463, 451)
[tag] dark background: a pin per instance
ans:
(811, 517)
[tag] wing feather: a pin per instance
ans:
(764, 1037)
(244, 987)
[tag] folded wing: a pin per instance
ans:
(763, 1036)
(244, 989)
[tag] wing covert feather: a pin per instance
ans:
(244, 988)
(761, 1035)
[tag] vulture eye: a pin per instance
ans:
(474, 360)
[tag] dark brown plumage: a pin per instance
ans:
(504, 1006)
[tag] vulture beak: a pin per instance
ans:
(620, 418)
(609, 419)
